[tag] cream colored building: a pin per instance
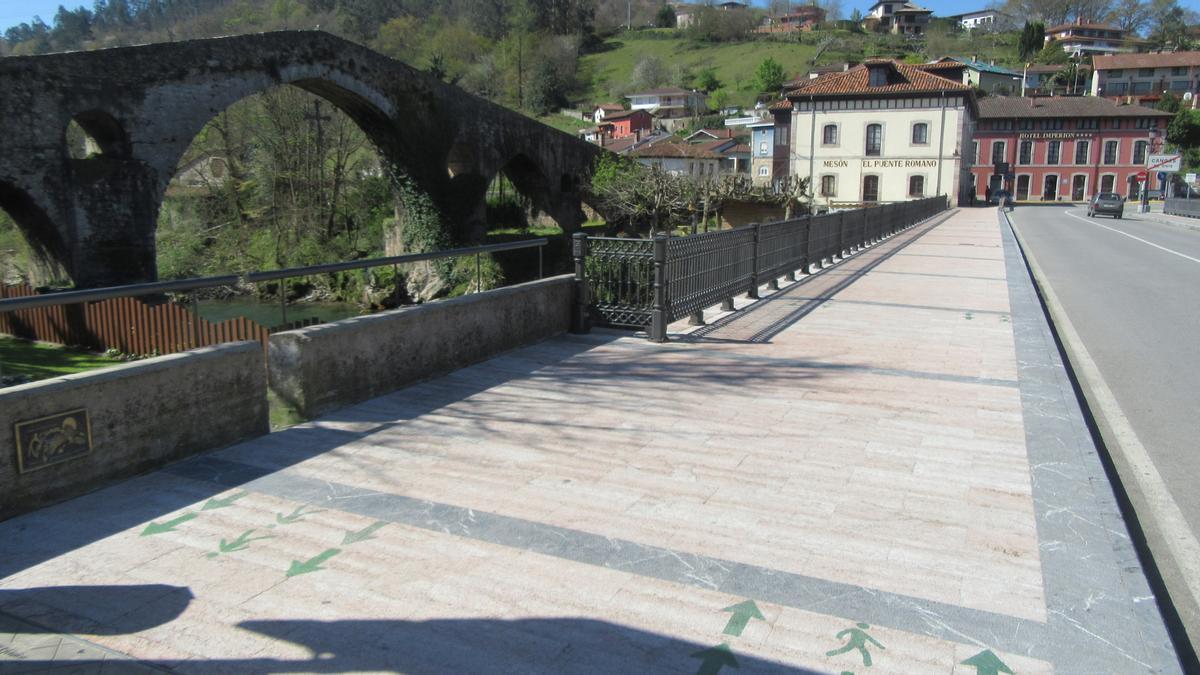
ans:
(880, 132)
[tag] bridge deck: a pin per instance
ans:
(887, 458)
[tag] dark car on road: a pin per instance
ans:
(1107, 203)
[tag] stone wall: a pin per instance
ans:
(329, 366)
(141, 415)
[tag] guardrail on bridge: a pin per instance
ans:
(1182, 207)
(650, 283)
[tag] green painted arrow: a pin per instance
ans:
(363, 534)
(714, 658)
(987, 663)
(742, 613)
(159, 528)
(312, 564)
(221, 503)
(243, 541)
(294, 516)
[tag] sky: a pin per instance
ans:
(13, 12)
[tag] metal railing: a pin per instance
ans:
(650, 283)
(1182, 207)
(115, 317)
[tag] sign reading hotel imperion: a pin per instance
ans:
(52, 439)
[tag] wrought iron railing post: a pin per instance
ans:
(658, 317)
(752, 293)
(804, 250)
(580, 321)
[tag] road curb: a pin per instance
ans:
(1166, 543)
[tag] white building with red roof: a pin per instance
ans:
(882, 131)
(1146, 77)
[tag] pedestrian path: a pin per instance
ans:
(880, 469)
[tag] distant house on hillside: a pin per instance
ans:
(802, 17)
(1146, 76)
(987, 20)
(681, 159)
(762, 151)
(667, 97)
(984, 76)
(898, 17)
(1091, 39)
(603, 109)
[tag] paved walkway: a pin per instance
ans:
(881, 469)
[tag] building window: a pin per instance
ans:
(874, 139)
(1179, 70)
(870, 189)
(828, 186)
(1146, 123)
(975, 152)
(1081, 152)
(1116, 72)
(1117, 88)
(762, 146)
(916, 186)
(1025, 125)
(762, 171)
(829, 135)
(1026, 156)
(1145, 72)
(1053, 149)
(998, 151)
(1139, 152)
(1140, 88)
(1089, 123)
(1110, 152)
(920, 134)
(878, 76)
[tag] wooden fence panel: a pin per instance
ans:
(128, 325)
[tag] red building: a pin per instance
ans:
(626, 123)
(1064, 148)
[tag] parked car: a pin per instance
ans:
(1108, 203)
(1000, 197)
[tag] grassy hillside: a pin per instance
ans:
(608, 71)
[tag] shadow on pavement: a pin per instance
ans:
(95, 610)
(542, 645)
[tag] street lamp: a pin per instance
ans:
(1146, 184)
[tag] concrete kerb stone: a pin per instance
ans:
(1140, 489)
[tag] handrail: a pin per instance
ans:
(181, 285)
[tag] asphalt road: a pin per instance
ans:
(1130, 293)
(1136, 305)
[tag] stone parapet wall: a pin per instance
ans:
(325, 367)
(139, 416)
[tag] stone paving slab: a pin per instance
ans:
(876, 470)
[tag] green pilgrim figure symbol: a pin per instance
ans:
(858, 639)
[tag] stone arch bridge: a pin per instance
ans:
(142, 106)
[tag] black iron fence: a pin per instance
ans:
(1182, 207)
(650, 283)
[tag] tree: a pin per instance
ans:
(665, 17)
(769, 76)
(856, 16)
(720, 99)
(1052, 54)
(1168, 25)
(1169, 103)
(707, 80)
(1184, 129)
(1032, 39)
(1131, 15)
(833, 9)
(649, 72)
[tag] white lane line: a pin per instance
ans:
(1150, 243)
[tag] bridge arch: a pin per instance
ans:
(50, 254)
(96, 132)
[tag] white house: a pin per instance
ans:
(897, 16)
(681, 159)
(984, 19)
(880, 132)
(667, 97)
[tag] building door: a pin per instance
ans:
(1022, 188)
(1133, 191)
(1078, 185)
(1050, 188)
(870, 188)
(995, 183)
(1107, 182)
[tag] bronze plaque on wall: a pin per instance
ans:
(53, 439)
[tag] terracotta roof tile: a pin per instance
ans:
(1164, 60)
(675, 149)
(906, 79)
(993, 107)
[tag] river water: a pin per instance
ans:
(270, 314)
